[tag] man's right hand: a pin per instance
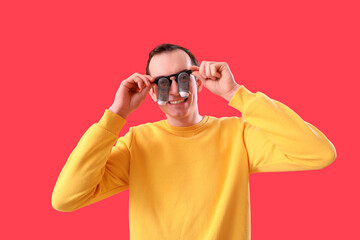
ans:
(131, 93)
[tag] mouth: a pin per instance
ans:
(177, 101)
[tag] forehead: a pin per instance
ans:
(168, 63)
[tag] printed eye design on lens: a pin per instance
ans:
(163, 83)
(182, 78)
(163, 91)
(183, 84)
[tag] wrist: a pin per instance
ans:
(231, 93)
(118, 111)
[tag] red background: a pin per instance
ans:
(62, 62)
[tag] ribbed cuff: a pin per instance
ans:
(111, 122)
(241, 97)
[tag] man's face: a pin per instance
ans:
(165, 64)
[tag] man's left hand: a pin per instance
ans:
(216, 77)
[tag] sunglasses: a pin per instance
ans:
(183, 75)
(182, 78)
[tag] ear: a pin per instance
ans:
(152, 94)
(199, 84)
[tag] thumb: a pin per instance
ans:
(198, 75)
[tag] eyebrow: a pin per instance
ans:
(171, 74)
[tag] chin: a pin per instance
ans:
(176, 114)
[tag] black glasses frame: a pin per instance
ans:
(172, 75)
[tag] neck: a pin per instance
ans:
(185, 121)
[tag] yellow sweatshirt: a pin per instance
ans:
(190, 182)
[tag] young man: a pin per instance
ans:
(187, 175)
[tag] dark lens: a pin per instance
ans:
(163, 83)
(183, 84)
(163, 91)
(183, 77)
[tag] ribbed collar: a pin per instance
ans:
(189, 129)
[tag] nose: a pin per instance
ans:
(173, 87)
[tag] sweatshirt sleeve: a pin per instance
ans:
(95, 169)
(276, 138)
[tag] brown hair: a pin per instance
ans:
(166, 47)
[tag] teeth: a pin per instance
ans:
(175, 102)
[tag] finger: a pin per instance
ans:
(198, 75)
(195, 74)
(142, 77)
(194, 68)
(214, 71)
(207, 70)
(146, 89)
(139, 82)
(136, 80)
(151, 79)
(202, 69)
(146, 80)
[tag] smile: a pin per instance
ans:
(176, 102)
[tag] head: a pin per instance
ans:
(167, 59)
